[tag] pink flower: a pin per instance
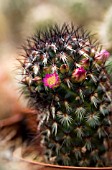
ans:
(102, 56)
(79, 74)
(51, 80)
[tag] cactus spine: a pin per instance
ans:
(64, 76)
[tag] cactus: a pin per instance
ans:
(64, 76)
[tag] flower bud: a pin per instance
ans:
(102, 56)
(64, 68)
(84, 63)
(46, 70)
(37, 79)
(79, 74)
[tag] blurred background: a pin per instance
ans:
(19, 19)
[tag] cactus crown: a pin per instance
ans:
(63, 72)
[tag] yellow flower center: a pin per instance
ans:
(51, 80)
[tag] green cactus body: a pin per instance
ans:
(63, 72)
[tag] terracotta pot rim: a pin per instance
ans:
(63, 167)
